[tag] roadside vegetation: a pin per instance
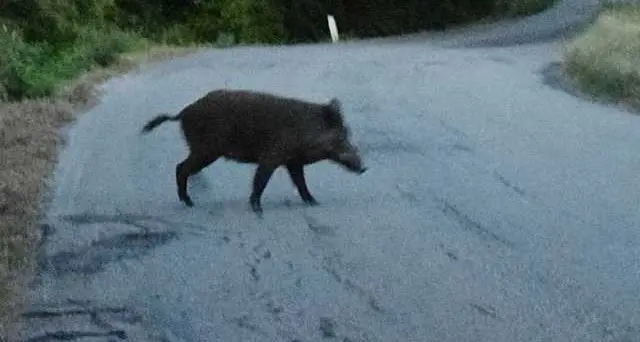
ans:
(519, 8)
(53, 52)
(604, 61)
(28, 150)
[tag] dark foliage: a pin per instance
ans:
(47, 42)
(305, 20)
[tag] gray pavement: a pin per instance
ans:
(496, 208)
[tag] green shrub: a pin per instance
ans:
(57, 22)
(603, 61)
(32, 70)
(21, 64)
(104, 47)
(252, 21)
(202, 23)
(176, 34)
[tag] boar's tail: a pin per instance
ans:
(157, 121)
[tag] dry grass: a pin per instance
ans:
(28, 138)
(605, 60)
(29, 143)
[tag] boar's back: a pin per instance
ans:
(242, 124)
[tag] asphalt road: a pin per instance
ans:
(497, 208)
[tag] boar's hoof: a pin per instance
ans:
(311, 202)
(256, 207)
(188, 202)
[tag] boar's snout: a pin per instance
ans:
(350, 159)
(337, 145)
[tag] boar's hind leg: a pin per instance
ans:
(296, 172)
(190, 166)
(260, 180)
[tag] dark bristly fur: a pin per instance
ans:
(264, 129)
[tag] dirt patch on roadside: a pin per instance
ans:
(29, 145)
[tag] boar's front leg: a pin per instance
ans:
(296, 172)
(260, 179)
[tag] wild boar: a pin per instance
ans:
(265, 129)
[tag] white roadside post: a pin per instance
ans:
(333, 28)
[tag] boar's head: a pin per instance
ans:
(335, 139)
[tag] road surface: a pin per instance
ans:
(497, 208)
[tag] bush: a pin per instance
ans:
(306, 20)
(104, 47)
(33, 70)
(57, 22)
(251, 21)
(604, 59)
(47, 42)
(21, 67)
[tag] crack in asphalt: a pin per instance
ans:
(485, 310)
(329, 267)
(75, 335)
(319, 228)
(135, 220)
(469, 224)
(94, 258)
(509, 184)
(54, 315)
(62, 312)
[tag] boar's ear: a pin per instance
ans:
(333, 113)
(336, 105)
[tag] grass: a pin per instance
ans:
(28, 138)
(29, 143)
(604, 61)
